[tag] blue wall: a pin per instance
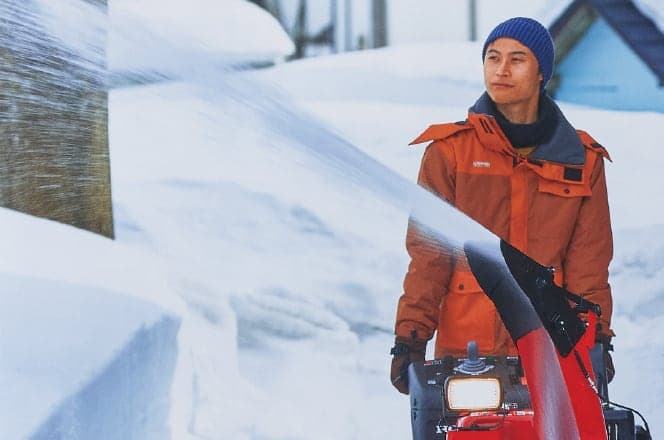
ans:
(602, 71)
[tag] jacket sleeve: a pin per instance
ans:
(586, 264)
(430, 265)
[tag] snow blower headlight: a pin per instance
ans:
(473, 393)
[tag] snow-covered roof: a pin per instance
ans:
(638, 23)
(159, 34)
(654, 9)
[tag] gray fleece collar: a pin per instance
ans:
(565, 145)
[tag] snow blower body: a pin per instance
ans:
(554, 389)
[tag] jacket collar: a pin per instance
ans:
(563, 147)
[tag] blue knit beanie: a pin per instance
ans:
(531, 34)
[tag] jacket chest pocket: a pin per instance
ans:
(466, 314)
(564, 189)
(554, 213)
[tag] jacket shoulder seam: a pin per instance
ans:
(591, 144)
(439, 132)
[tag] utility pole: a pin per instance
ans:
(348, 25)
(300, 31)
(335, 26)
(379, 23)
(472, 20)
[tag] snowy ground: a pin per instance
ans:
(280, 266)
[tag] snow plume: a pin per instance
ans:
(246, 103)
(307, 141)
(79, 25)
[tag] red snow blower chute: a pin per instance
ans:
(555, 389)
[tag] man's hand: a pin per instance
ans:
(405, 351)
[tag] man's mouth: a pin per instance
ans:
(502, 85)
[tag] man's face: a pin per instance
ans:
(511, 72)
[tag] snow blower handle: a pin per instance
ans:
(582, 305)
(549, 300)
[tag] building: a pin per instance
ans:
(609, 54)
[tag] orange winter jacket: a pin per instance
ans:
(552, 205)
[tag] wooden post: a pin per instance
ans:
(54, 157)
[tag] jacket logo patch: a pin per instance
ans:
(481, 164)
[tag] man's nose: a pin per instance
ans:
(503, 69)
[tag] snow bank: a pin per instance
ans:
(171, 36)
(88, 333)
(83, 363)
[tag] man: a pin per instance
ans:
(519, 168)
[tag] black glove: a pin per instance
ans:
(405, 351)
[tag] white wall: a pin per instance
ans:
(426, 21)
(448, 20)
